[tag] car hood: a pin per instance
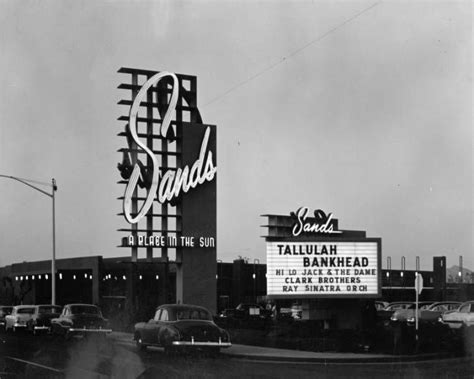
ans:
(451, 315)
(403, 314)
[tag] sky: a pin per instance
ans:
(359, 108)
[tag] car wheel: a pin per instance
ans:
(139, 342)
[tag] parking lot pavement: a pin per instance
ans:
(286, 355)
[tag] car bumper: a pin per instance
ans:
(89, 330)
(453, 324)
(193, 343)
(41, 327)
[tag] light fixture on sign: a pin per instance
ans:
(74, 277)
(46, 276)
(21, 277)
(124, 277)
(16, 277)
(401, 274)
(90, 276)
(141, 277)
(32, 277)
(39, 276)
(157, 277)
(60, 276)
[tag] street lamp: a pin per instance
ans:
(54, 188)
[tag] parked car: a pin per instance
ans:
(42, 316)
(80, 319)
(427, 311)
(247, 311)
(4, 311)
(385, 314)
(403, 314)
(180, 326)
(463, 316)
(294, 312)
(19, 317)
(434, 311)
(380, 305)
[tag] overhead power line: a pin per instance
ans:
(291, 55)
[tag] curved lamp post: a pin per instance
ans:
(54, 188)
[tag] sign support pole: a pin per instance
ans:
(418, 289)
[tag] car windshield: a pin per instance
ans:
(25, 310)
(80, 309)
(420, 306)
(394, 307)
(192, 314)
(49, 309)
(444, 307)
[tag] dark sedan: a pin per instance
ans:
(180, 327)
(5, 310)
(247, 311)
(41, 319)
(80, 319)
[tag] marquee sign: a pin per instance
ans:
(309, 256)
(328, 268)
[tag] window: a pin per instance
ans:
(157, 315)
(465, 308)
(164, 315)
(26, 311)
(85, 309)
(48, 310)
(192, 314)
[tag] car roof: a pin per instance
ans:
(180, 306)
(401, 302)
(48, 306)
(446, 302)
(81, 305)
